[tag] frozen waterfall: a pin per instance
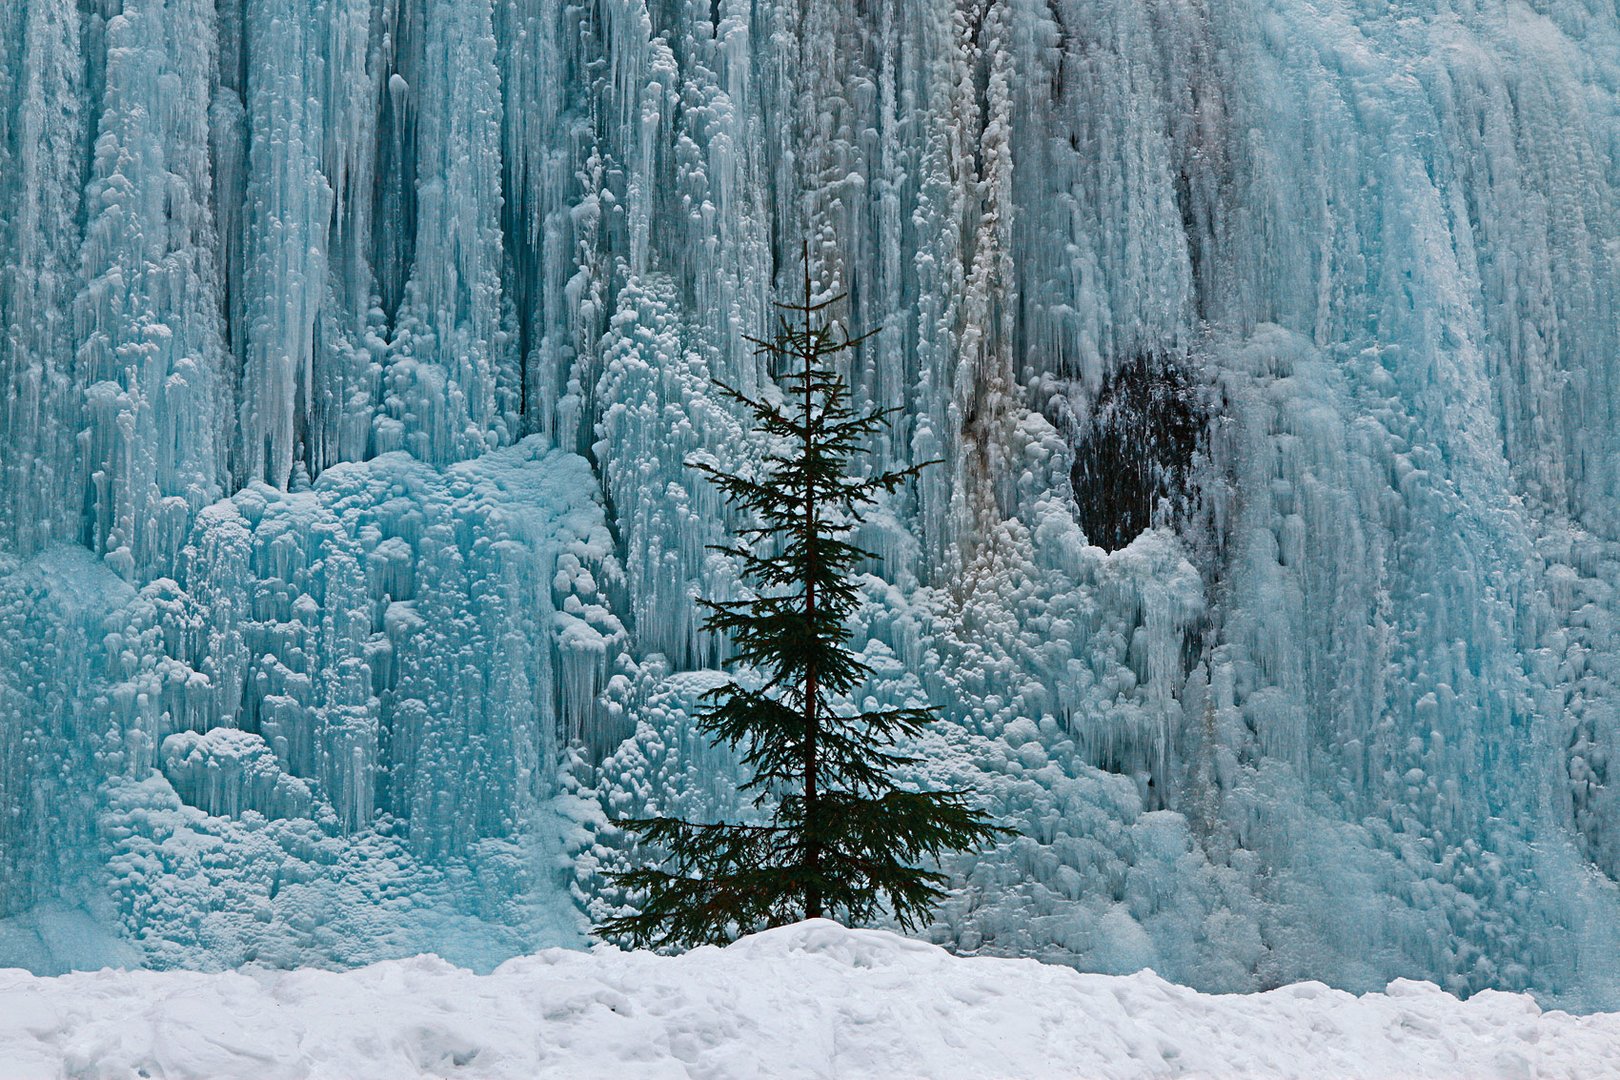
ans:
(350, 351)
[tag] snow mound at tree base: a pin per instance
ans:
(809, 1000)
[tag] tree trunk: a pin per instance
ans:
(812, 816)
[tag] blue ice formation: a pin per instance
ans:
(351, 350)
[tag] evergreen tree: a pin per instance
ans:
(843, 838)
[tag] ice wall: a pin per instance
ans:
(351, 352)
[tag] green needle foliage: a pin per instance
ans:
(843, 839)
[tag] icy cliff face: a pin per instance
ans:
(351, 351)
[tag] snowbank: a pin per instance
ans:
(810, 1000)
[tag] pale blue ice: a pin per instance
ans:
(350, 351)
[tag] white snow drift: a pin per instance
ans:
(809, 1000)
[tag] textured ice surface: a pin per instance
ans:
(348, 720)
(351, 352)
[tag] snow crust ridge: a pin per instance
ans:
(808, 1000)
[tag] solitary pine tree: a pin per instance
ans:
(843, 839)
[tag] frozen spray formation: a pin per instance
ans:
(351, 351)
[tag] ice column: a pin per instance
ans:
(150, 360)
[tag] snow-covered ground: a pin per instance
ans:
(810, 1000)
